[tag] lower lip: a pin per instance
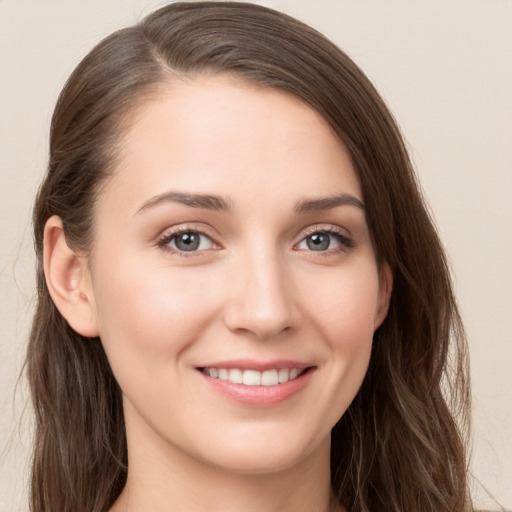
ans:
(259, 396)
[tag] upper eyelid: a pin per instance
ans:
(188, 227)
(324, 228)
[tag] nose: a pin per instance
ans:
(262, 303)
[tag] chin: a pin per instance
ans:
(268, 454)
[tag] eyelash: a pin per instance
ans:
(164, 242)
(332, 231)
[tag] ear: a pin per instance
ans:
(385, 289)
(68, 279)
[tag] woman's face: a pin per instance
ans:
(231, 243)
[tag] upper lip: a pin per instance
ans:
(250, 364)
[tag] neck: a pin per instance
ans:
(162, 478)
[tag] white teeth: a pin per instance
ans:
(294, 372)
(269, 378)
(254, 377)
(284, 375)
(235, 376)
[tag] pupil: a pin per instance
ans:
(318, 242)
(187, 242)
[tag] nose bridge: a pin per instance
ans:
(262, 300)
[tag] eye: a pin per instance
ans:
(324, 241)
(187, 241)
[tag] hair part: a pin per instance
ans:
(401, 444)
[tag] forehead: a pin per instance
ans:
(220, 135)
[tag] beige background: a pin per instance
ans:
(445, 69)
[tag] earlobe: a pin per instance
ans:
(68, 280)
(385, 289)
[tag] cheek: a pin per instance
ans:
(150, 309)
(343, 306)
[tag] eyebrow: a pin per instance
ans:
(219, 203)
(204, 201)
(327, 203)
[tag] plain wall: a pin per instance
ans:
(445, 70)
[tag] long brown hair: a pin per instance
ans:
(401, 444)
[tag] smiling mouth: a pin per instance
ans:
(255, 377)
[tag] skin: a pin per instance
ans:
(254, 289)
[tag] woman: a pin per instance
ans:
(242, 300)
